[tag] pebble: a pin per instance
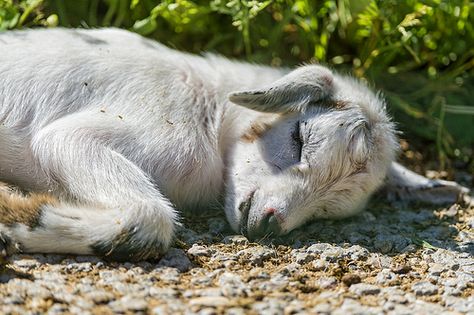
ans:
(257, 255)
(129, 304)
(235, 239)
(176, 258)
(350, 279)
(320, 265)
(357, 252)
(436, 269)
(386, 276)
(364, 289)
(401, 269)
(332, 254)
(231, 285)
(319, 248)
(212, 301)
(424, 288)
(303, 258)
(199, 251)
(327, 282)
(100, 297)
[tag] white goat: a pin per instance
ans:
(110, 133)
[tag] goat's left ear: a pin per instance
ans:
(293, 92)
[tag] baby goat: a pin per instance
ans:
(111, 133)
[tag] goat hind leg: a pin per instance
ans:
(115, 210)
(405, 185)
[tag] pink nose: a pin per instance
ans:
(269, 211)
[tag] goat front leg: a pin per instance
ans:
(104, 205)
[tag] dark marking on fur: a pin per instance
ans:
(90, 39)
(18, 208)
(127, 247)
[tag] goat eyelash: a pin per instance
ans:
(298, 139)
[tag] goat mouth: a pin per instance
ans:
(244, 209)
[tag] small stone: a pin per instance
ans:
(231, 285)
(424, 288)
(26, 263)
(356, 237)
(364, 289)
(383, 244)
(129, 304)
(269, 307)
(318, 248)
(303, 258)
(357, 252)
(235, 311)
(57, 309)
(290, 269)
(463, 305)
(452, 291)
(199, 251)
(470, 222)
(257, 255)
(163, 293)
(327, 282)
(397, 299)
(410, 248)
(436, 269)
(401, 269)
(386, 276)
(176, 258)
(210, 301)
(15, 299)
(100, 297)
(320, 265)
(89, 259)
(322, 308)
(235, 239)
(350, 279)
(275, 283)
(333, 254)
(79, 267)
(167, 274)
(451, 211)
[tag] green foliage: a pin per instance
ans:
(420, 53)
(16, 14)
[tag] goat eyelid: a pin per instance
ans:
(298, 138)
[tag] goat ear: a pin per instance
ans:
(293, 92)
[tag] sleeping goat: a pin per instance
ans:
(111, 133)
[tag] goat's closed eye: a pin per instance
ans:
(298, 140)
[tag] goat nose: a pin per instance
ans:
(269, 225)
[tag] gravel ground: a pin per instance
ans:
(392, 260)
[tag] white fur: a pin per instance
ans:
(124, 131)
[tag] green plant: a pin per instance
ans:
(420, 53)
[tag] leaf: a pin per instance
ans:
(145, 26)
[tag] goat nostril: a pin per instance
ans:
(269, 223)
(266, 226)
(273, 225)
